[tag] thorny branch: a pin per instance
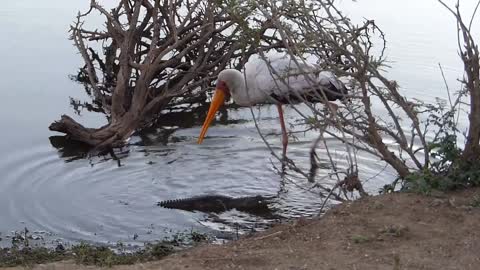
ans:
(377, 118)
(376, 111)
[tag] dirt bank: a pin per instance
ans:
(393, 231)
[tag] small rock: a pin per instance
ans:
(394, 230)
(378, 205)
(452, 202)
(437, 194)
(35, 237)
(301, 222)
(437, 202)
(123, 202)
(466, 207)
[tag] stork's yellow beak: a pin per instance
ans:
(217, 101)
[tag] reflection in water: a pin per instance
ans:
(157, 133)
(166, 125)
(72, 150)
(68, 149)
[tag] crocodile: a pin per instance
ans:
(220, 203)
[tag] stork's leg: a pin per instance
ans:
(334, 108)
(284, 132)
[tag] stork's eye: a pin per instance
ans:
(222, 86)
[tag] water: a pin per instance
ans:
(55, 192)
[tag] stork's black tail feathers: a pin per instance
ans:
(337, 91)
(333, 90)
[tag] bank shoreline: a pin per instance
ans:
(390, 231)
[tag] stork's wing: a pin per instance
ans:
(286, 79)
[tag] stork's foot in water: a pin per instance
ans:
(332, 108)
(284, 137)
(285, 162)
(284, 165)
(284, 151)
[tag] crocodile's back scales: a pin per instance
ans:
(218, 203)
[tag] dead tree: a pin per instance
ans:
(319, 32)
(154, 52)
(470, 56)
(378, 118)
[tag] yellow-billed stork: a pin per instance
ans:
(280, 81)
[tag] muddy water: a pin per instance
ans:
(59, 195)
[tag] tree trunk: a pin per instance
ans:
(111, 135)
(471, 60)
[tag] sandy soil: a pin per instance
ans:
(393, 231)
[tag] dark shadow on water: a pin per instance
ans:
(161, 132)
(195, 116)
(70, 150)
(158, 133)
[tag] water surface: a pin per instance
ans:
(55, 192)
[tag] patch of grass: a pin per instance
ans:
(10, 257)
(475, 201)
(82, 254)
(359, 239)
(198, 237)
(394, 230)
(187, 238)
(448, 171)
(105, 256)
(102, 256)
(158, 250)
(396, 262)
(22, 254)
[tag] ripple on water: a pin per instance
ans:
(98, 201)
(79, 202)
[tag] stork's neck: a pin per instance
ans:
(243, 89)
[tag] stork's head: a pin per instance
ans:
(229, 80)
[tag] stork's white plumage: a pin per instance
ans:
(280, 81)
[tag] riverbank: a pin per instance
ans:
(391, 231)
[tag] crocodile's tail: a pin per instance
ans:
(208, 203)
(220, 203)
